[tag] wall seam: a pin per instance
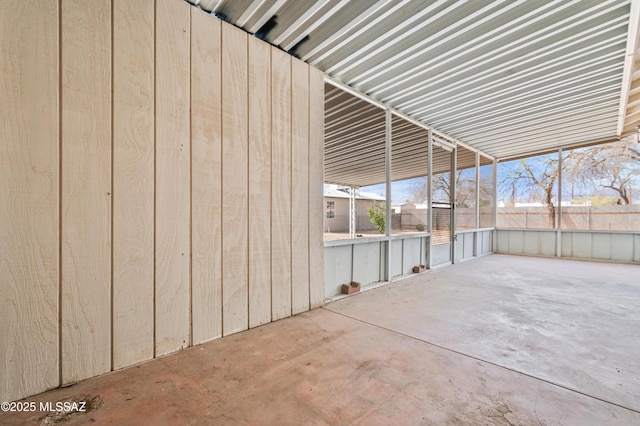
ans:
(291, 244)
(112, 187)
(222, 333)
(271, 162)
(155, 167)
(309, 182)
(190, 179)
(249, 233)
(60, 378)
(248, 162)
(220, 120)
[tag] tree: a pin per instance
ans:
(486, 191)
(441, 187)
(377, 213)
(614, 167)
(418, 190)
(534, 178)
(465, 189)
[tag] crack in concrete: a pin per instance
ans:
(486, 362)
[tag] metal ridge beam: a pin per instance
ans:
(629, 61)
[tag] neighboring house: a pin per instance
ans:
(336, 204)
(412, 215)
(396, 208)
(405, 216)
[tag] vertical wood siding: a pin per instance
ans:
(161, 186)
(133, 182)
(173, 167)
(235, 181)
(29, 197)
(259, 182)
(206, 172)
(280, 184)
(86, 189)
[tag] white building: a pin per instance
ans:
(336, 202)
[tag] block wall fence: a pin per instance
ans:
(160, 186)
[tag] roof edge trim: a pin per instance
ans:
(561, 147)
(629, 60)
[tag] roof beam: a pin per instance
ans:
(629, 61)
(555, 149)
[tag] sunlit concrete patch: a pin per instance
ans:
(573, 323)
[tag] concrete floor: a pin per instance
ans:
(500, 340)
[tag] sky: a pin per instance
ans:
(400, 191)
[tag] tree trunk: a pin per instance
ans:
(551, 207)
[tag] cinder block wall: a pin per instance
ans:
(160, 186)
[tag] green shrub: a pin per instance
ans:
(377, 214)
(420, 227)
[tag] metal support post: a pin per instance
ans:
(559, 221)
(452, 201)
(494, 240)
(352, 212)
(476, 235)
(387, 222)
(429, 194)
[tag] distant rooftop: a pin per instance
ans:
(337, 191)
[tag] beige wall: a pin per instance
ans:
(596, 218)
(340, 223)
(160, 173)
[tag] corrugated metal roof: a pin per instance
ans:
(335, 191)
(505, 77)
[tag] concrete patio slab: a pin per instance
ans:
(573, 323)
(409, 353)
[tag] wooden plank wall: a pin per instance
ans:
(299, 186)
(173, 180)
(30, 193)
(259, 182)
(316, 191)
(235, 181)
(206, 177)
(162, 172)
(86, 189)
(280, 184)
(133, 182)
